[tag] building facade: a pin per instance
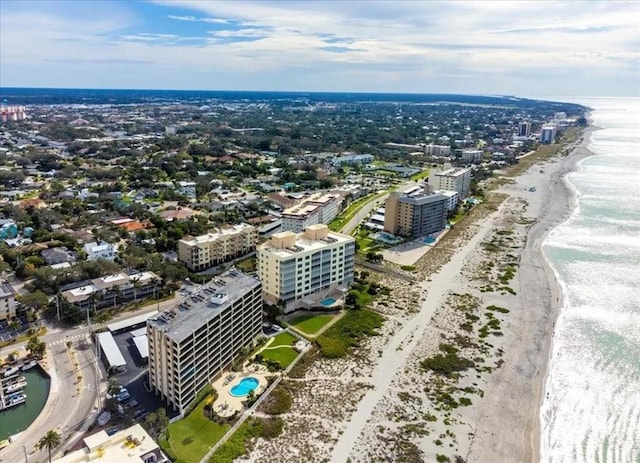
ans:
(352, 159)
(293, 266)
(524, 129)
(455, 179)
(437, 150)
(416, 215)
(319, 208)
(205, 251)
(472, 156)
(7, 301)
(548, 135)
(112, 290)
(191, 344)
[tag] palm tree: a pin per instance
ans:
(49, 441)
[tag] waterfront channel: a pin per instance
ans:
(18, 418)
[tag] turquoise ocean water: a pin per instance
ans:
(591, 411)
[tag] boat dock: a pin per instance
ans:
(12, 385)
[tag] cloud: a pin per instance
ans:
(483, 47)
(195, 19)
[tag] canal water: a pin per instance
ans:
(17, 419)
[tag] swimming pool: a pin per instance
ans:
(328, 302)
(245, 386)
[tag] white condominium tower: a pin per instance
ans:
(190, 345)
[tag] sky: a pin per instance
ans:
(535, 49)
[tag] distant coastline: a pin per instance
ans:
(34, 95)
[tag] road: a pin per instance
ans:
(352, 224)
(72, 404)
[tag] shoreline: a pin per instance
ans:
(382, 405)
(579, 153)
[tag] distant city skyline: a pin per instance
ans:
(534, 49)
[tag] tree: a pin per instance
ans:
(36, 300)
(49, 441)
(36, 347)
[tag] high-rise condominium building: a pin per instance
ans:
(414, 216)
(524, 129)
(454, 179)
(191, 344)
(201, 252)
(318, 208)
(293, 266)
(548, 135)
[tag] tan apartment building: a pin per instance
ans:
(454, 179)
(7, 301)
(308, 265)
(318, 208)
(191, 344)
(204, 251)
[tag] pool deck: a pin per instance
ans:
(226, 404)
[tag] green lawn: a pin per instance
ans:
(283, 354)
(190, 438)
(283, 339)
(310, 324)
(420, 175)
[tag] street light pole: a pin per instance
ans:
(24, 449)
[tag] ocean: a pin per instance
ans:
(591, 411)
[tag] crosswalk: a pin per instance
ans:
(67, 339)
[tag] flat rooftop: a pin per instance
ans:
(214, 236)
(453, 172)
(303, 244)
(195, 310)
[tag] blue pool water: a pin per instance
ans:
(328, 301)
(245, 386)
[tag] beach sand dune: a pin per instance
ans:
(382, 404)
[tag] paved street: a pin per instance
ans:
(72, 405)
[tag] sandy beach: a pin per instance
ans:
(488, 295)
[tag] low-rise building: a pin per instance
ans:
(414, 216)
(7, 301)
(100, 250)
(452, 198)
(204, 251)
(437, 150)
(130, 445)
(319, 208)
(112, 290)
(454, 179)
(352, 159)
(294, 266)
(58, 255)
(191, 344)
(471, 155)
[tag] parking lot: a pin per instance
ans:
(140, 401)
